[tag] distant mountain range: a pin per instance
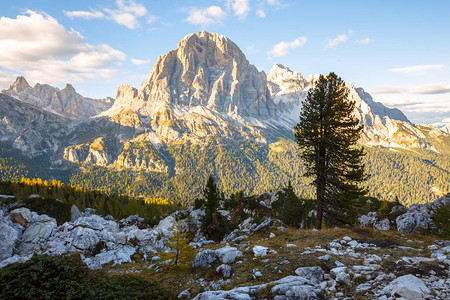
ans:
(203, 93)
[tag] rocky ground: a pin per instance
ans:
(260, 260)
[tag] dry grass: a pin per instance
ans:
(274, 266)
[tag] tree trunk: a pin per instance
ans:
(320, 190)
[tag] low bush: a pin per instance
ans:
(66, 277)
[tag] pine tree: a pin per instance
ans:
(327, 135)
(214, 225)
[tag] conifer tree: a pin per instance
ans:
(327, 135)
(214, 225)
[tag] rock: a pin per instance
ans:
(314, 274)
(13, 260)
(8, 238)
(36, 235)
(165, 225)
(131, 220)
(186, 294)
(272, 235)
(408, 287)
(97, 223)
(257, 273)
(224, 270)
(228, 254)
(343, 277)
(21, 216)
(293, 287)
(205, 259)
(324, 257)
(382, 225)
(411, 221)
(116, 256)
(368, 220)
(260, 251)
(75, 213)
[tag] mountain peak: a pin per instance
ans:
(209, 70)
(19, 85)
(69, 88)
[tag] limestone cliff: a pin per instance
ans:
(66, 102)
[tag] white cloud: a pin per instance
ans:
(428, 89)
(260, 13)
(36, 45)
(127, 13)
(336, 41)
(85, 14)
(365, 41)
(417, 68)
(6, 78)
(206, 16)
(283, 48)
(273, 2)
(140, 61)
(240, 8)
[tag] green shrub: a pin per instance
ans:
(50, 207)
(441, 217)
(66, 277)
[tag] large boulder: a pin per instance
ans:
(75, 213)
(407, 287)
(228, 254)
(205, 259)
(96, 222)
(314, 274)
(412, 221)
(116, 256)
(8, 238)
(36, 235)
(165, 225)
(382, 225)
(22, 216)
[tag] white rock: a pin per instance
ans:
(411, 221)
(75, 213)
(343, 277)
(8, 238)
(408, 287)
(314, 274)
(382, 225)
(205, 259)
(260, 251)
(228, 254)
(272, 235)
(14, 259)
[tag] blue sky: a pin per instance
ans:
(397, 50)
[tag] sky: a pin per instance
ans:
(398, 51)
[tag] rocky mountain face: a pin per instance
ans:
(29, 128)
(66, 102)
(207, 87)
